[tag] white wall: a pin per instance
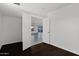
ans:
(65, 28)
(1, 28)
(26, 29)
(36, 21)
(10, 29)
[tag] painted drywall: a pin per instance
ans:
(1, 30)
(64, 28)
(10, 29)
(46, 30)
(36, 21)
(26, 29)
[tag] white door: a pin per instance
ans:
(26, 29)
(46, 30)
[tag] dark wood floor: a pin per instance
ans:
(12, 49)
(44, 49)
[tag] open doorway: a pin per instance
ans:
(36, 30)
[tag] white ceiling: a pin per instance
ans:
(10, 9)
(42, 9)
(39, 9)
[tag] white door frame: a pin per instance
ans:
(46, 31)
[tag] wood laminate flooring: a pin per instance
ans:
(44, 49)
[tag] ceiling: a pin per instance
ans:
(10, 10)
(39, 9)
(42, 9)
